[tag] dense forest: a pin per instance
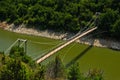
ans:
(18, 66)
(62, 15)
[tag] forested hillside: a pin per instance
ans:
(62, 15)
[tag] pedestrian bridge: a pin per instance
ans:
(90, 27)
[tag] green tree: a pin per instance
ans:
(74, 73)
(56, 70)
(14, 70)
(61, 15)
(95, 74)
(107, 20)
(116, 29)
(18, 53)
(39, 73)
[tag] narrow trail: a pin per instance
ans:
(64, 45)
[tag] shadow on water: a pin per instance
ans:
(79, 56)
(82, 53)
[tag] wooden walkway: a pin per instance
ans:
(64, 45)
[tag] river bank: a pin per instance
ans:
(61, 35)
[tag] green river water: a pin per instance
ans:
(87, 56)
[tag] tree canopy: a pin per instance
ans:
(62, 15)
(14, 68)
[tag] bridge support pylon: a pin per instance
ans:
(19, 43)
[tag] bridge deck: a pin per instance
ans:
(64, 45)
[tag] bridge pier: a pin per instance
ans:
(19, 43)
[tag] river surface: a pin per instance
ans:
(87, 56)
(36, 46)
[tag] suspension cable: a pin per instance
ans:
(46, 43)
(66, 52)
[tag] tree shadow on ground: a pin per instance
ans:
(79, 56)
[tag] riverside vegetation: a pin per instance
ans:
(57, 15)
(62, 15)
(18, 66)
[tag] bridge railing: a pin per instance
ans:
(64, 45)
(91, 24)
(50, 50)
(84, 31)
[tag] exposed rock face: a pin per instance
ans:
(101, 43)
(61, 35)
